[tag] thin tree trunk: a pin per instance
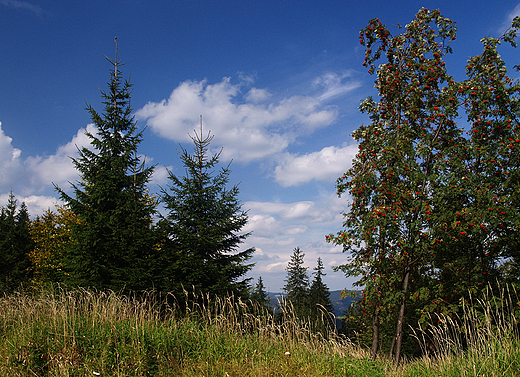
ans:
(399, 330)
(391, 352)
(375, 335)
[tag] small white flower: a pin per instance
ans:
(287, 353)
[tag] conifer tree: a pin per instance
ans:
(112, 244)
(321, 308)
(259, 294)
(203, 228)
(15, 246)
(319, 294)
(297, 283)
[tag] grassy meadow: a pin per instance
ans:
(82, 333)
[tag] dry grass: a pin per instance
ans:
(64, 333)
(84, 333)
(482, 342)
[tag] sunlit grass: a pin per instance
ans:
(62, 333)
(84, 333)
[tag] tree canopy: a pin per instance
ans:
(434, 203)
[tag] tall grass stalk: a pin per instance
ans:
(84, 333)
(484, 341)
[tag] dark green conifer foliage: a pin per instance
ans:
(320, 305)
(15, 246)
(259, 294)
(113, 244)
(203, 228)
(297, 283)
(319, 294)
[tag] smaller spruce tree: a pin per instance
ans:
(259, 294)
(319, 294)
(202, 228)
(297, 283)
(321, 308)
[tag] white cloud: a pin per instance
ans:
(23, 5)
(262, 225)
(249, 127)
(161, 174)
(279, 227)
(325, 165)
(509, 18)
(335, 84)
(59, 168)
(256, 95)
(34, 175)
(36, 205)
(10, 163)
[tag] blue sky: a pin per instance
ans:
(277, 82)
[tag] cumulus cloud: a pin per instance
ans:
(256, 95)
(36, 204)
(277, 228)
(31, 176)
(324, 165)
(250, 126)
(59, 168)
(10, 162)
(161, 174)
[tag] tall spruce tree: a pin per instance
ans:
(297, 283)
(15, 246)
(203, 228)
(113, 241)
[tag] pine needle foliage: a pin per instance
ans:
(15, 245)
(203, 227)
(297, 283)
(113, 242)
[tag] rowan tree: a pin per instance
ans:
(434, 211)
(392, 178)
(478, 229)
(113, 243)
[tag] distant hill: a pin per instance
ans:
(340, 304)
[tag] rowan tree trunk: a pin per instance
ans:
(399, 329)
(375, 335)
